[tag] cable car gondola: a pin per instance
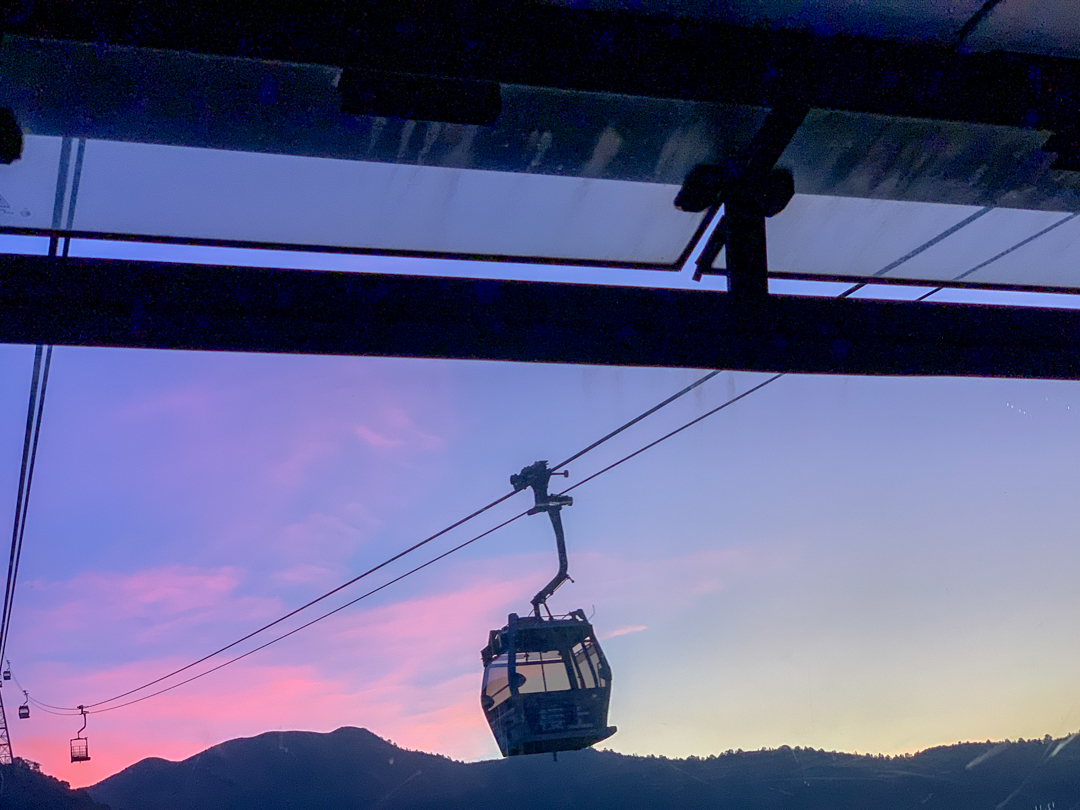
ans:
(24, 709)
(546, 681)
(7, 672)
(80, 751)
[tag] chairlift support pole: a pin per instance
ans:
(6, 756)
(537, 476)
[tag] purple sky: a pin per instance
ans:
(860, 564)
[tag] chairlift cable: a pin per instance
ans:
(37, 705)
(14, 573)
(38, 381)
(27, 444)
(305, 606)
(677, 430)
(637, 419)
(436, 559)
(441, 556)
(396, 557)
(326, 615)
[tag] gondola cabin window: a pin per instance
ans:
(496, 683)
(542, 672)
(589, 666)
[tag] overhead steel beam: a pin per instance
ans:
(102, 302)
(543, 44)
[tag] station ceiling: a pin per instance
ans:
(941, 146)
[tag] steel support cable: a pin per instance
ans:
(1004, 253)
(637, 419)
(38, 382)
(39, 706)
(318, 619)
(676, 431)
(45, 707)
(447, 553)
(27, 444)
(396, 557)
(26, 497)
(973, 22)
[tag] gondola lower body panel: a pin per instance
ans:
(548, 722)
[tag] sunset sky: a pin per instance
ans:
(859, 564)
(865, 564)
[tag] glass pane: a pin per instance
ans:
(542, 672)
(496, 682)
(1043, 254)
(896, 19)
(24, 245)
(848, 236)
(597, 663)
(200, 193)
(1049, 27)
(861, 238)
(28, 186)
(586, 670)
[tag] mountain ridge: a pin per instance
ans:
(23, 786)
(355, 769)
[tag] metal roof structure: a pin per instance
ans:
(549, 134)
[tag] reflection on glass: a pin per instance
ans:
(587, 662)
(496, 683)
(542, 672)
(200, 193)
(28, 186)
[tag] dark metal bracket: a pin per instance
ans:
(751, 188)
(537, 475)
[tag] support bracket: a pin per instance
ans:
(751, 188)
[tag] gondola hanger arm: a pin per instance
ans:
(537, 476)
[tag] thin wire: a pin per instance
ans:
(43, 708)
(445, 554)
(28, 443)
(26, 498)
(973, 23)
(305, 606)
(677, 430)
(398, 556)
(637, 419)
(65, 709)
(317, 619)
(1003, 253)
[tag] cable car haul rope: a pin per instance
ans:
(546, 681)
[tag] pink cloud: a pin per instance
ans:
(191, 402)
(377, 440)
(95, 610)
(254, 699)
(321, 539)
(398, 430)
(625, 631)
(307, 575)
(409, 671)
(298, 460)
(671, 584)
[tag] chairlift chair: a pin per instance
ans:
(546, 682)
(80, 751)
